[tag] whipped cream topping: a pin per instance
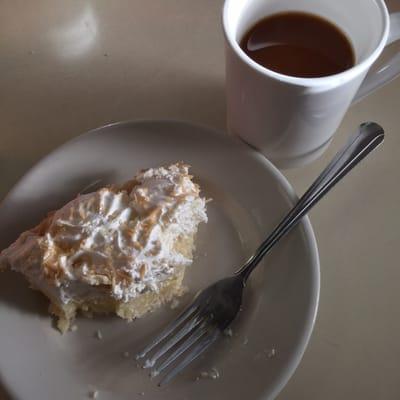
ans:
(121, 239)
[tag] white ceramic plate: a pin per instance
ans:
(249, 197)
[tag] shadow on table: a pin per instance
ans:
(4, 395)
(12, 168)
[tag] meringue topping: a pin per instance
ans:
(119, 239)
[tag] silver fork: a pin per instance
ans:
(214, 308)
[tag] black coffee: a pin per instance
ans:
(299, 44)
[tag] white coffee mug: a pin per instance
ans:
(291, 120)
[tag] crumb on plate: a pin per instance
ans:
(174, 303)
(271, 353)
(93, 394)
(228, 332)
(212, 374)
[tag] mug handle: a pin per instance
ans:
(388, 71)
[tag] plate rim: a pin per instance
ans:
(305, 336)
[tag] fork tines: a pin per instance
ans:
(181, 342)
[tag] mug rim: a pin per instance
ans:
(340, 77)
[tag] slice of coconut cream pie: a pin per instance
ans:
(121, 249)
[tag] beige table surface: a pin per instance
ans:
(68, 66)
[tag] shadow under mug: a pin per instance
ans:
(291, 120)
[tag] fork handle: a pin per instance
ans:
(368, 136)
